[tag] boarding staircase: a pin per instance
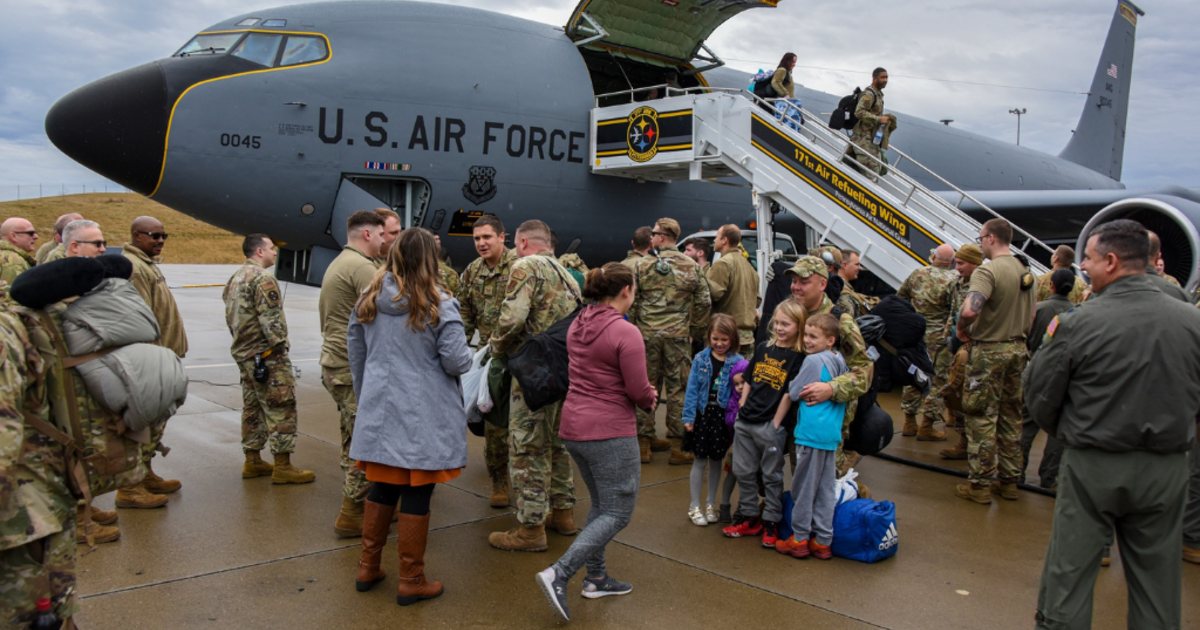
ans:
(705, 134)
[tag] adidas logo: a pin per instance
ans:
(890, 539)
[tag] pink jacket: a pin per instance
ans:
(608, 377)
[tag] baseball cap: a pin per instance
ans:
(807, 266)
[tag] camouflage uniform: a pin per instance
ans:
(58, 253)
(854, 302)
(449, 277)
(1045, 290)
(37, 509)
(671, 307)
(13, 261)
(479, 301)
(40, 256)
(931, 291)
(856, 381)
(539, 294)
(254, 314)
(632, 257)
(870, 108)
(958, 297)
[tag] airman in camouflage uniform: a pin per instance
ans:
(37, 508)
(641, 244)
(16, 248)
(54, 245)
(449, 277)
(930, 290)
(966, 260)
(870, 115)
(539, 294)
(670, 309)
(480, 299)
(1062, 258)
(254, 314)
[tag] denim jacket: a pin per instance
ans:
(696, 398)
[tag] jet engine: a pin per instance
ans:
(1172, 213)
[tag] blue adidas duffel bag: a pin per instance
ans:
(865, 530)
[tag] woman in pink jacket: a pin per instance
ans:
(599, 429)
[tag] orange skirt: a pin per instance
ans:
(383, 473)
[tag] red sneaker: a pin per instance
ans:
(743, 526)
(792, 547)
(819, 551)
(770, 535)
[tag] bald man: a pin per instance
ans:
(931, 291)
(53, 249)
(17, 238)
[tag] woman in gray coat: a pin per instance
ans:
(407, 349)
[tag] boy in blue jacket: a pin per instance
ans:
(818, 432)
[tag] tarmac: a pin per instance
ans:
(228, 552)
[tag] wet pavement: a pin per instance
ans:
(229, 552)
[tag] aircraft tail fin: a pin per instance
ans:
(1099, 139)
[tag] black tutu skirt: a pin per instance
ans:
(709, 437)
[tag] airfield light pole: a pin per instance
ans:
(1018, 112)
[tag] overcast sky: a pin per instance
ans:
(50, 47)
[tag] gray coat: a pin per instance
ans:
(410, 406)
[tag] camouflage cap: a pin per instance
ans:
(970, 253)
(835, 257)
(807, 266)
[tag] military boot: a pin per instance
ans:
(927, 433)
(100, 534)
(285, 472)
(138, 498)
(659, 445)
(973, 492)
(1007, 491)
(644, 448)
(412, 533)
(377, 520)
(499, 497)
(563, 522)
(910, 425)
(157, 485)
(520, 538)
(1191, 555)
(104, 517)
(349, 523)
(958, 451)
(678, 457)
(255, 466)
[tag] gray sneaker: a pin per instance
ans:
(605, 586)
(555, 588)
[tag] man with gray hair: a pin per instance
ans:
(17, 238)
(83, 238)
(931, 292)
(53, 249)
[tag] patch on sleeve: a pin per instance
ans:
(271, 291)
(1052, 327)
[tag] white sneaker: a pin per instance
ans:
(697, 517)
(711, 514)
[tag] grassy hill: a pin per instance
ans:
(192, 241)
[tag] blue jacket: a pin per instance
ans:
(696, 398)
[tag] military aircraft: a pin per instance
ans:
(285, 120)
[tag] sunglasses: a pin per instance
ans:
(155, 235)
(96, 243)
(27, 232)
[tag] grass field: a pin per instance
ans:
(192, 241)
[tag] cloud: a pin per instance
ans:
(54, 46)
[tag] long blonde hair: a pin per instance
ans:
(413, 261)
(792, 309)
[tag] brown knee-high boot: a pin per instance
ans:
(412, 533)
(377, 518)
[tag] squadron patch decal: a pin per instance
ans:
(482, 185)
(641, 136)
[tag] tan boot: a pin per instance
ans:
(1191, 555)
(376, 521)
(863, 491)
(255, 466)
(1007, 491)
(285, 472)
(973, 492)
(412, 532)
(910, 426)
(138, 498)
(563, 522)
(157, 485)
(100, 534)
(852, 459)
(644, 448)
(499, 497)
(678, 457)
(958, 451)
(104, 517)
(349, 523)
(520, 538)
(659, 445)
(927, 433)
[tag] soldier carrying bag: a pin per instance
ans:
(541, 366)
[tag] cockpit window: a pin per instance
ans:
(274, 23)
(303, 49)
(259, 48)
(248, 22)
(215, 44)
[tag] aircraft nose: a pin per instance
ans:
(116, 126)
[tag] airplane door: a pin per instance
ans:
(350, 199)
(407, 197)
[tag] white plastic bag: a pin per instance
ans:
(484, 401)
(847, 488)
(475, 380)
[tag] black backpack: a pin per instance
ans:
(843, 117)
(764, 89)
(541, 365)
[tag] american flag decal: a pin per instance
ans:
(1112, 70)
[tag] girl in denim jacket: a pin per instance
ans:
(710, 385)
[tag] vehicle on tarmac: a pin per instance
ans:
(783, 244)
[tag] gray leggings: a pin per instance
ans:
(612, 471)
(697, 479)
